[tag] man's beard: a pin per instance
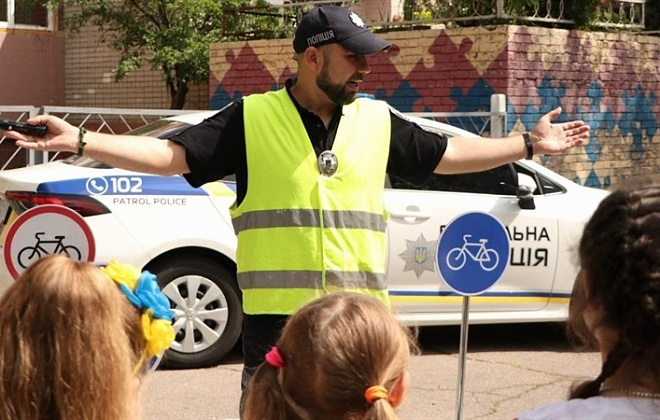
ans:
(335, 91)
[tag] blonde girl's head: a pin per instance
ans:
(70, 344)
(343, 356)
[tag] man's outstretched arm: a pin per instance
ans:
(547, 138)
(134, 153)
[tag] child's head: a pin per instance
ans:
(343, 356)
(72, 344)
(620, 265)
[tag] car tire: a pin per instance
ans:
(208, 325)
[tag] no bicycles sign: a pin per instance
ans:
(45, 230)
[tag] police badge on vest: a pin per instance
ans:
(328, 163)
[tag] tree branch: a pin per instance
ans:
(150, 16)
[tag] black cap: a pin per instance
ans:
(329, 24)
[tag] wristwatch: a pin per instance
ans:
(528, 145)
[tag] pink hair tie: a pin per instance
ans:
(274, 358)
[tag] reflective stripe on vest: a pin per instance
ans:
(340, 219)
(302, 234)
(311, 280)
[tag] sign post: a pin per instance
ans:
(472, 253)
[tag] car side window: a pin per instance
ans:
(544, 184)
(498, 181)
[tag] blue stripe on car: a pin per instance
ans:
(122, 185)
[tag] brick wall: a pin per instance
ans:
(90, 83)
(89, 63)
(608, 80)
(31, 67)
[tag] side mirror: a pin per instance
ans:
(525, 192)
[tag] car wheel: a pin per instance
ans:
(207, 310)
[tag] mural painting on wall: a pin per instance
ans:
(607, 80)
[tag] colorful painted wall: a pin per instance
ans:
(606, 79)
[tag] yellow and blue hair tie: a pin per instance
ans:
(142, 290)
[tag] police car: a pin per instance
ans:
(91, 211)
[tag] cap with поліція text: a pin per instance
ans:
(333, 24)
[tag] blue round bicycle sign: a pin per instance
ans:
(472, 253)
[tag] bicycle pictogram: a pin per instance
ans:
(29, 254)
(477, 251)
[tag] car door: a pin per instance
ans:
(418, 214)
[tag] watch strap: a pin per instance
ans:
(528, 145)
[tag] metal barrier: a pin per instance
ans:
(491, 123)
(619, 14)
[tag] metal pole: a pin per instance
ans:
(461, 357)
(498, 115)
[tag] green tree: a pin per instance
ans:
(173, 36)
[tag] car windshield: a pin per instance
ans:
(163, 129)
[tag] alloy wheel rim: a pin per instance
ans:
(200, 311)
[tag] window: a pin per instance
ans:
(499, 181)
(22, 13)
(547, 186)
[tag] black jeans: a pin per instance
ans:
(260, 333)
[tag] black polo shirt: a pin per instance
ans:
(215, 148)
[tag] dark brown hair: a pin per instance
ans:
(620, 261)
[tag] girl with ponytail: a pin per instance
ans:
(342, 356)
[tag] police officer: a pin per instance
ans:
(310, 163)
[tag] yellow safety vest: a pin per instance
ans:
(302, 234)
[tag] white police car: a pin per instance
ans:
(185, 236)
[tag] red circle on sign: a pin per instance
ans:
(40, 210)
